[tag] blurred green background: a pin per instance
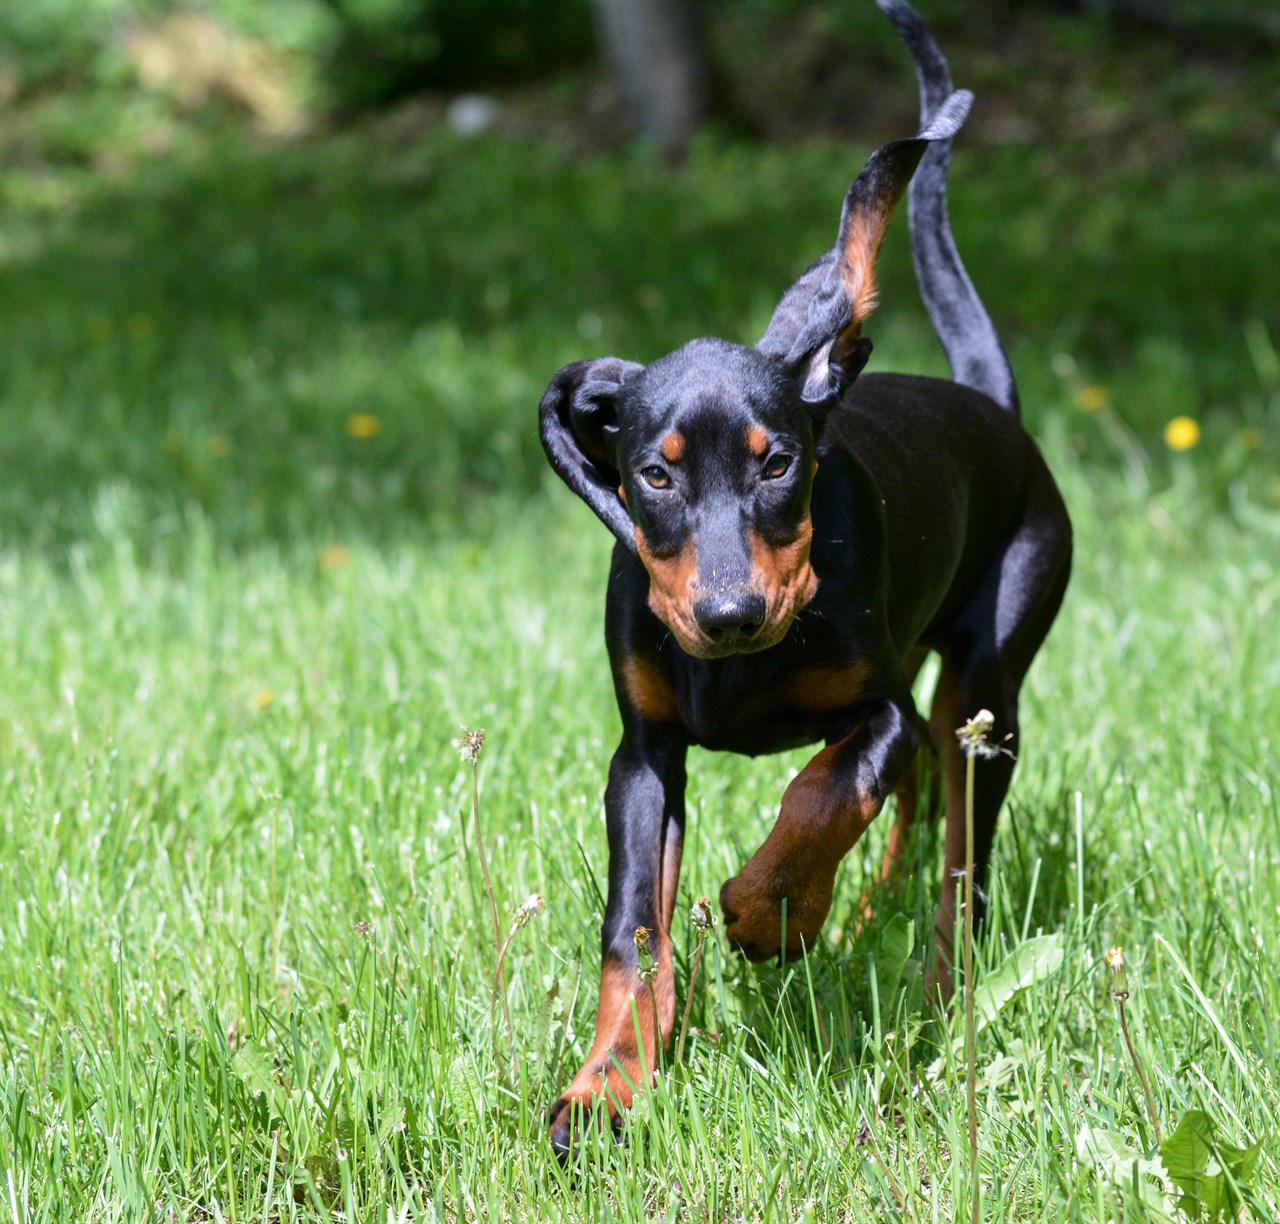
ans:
(247, 263)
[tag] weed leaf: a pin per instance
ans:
(1028, 964)
(897, 939)
(1207, 1170)
(1119, 1164)
(255, 1068)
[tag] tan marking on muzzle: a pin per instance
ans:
(672, 582)
(785, 576)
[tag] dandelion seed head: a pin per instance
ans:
(528, 909)
(973, 735)
(469, 745)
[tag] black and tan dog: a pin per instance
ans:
(791, 544)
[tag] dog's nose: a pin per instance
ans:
(730, 618)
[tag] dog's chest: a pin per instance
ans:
(739, 705)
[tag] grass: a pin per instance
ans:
(245, 958)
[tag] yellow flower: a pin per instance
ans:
(1181, 434)
(173, 443)
(99, 329)
(1093, 397)
(1251, 436)
(333, 556)
(219, 446)
(363, 425)
(263, 698)
(140, 326)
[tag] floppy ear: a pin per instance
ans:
(578, 423)
(816, 328)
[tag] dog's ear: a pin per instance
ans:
(816, 328)
(578, 423)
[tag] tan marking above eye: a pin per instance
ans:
(757, 441)
(671, 448)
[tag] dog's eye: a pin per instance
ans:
(656, 477)
(776, 466)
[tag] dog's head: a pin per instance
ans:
(702, 463)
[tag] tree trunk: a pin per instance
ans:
(658, 51)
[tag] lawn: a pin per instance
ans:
(274, 526)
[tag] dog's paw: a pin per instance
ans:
(754, 911)
(593, 1103)
(573, 1117)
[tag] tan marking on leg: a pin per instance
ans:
(649, 691)
(797, 863)
(618, 1067)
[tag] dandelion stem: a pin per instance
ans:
(1120, 993)
(484, 862)
(1142, 1076)
(657, 1041)
(469, 747)
(535, 904)
(688, 1003)
(646, 970)
(703, 920)
(970, 1035)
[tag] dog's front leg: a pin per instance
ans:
(644, 809)
(827, 807)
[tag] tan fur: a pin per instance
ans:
(797, 862)
(649, 691)
(784, 575)
(672, 584)
(858, 258)
(822, 688)
(671, 448)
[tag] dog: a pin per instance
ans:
(793, 539)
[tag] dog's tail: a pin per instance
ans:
(961, 321)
